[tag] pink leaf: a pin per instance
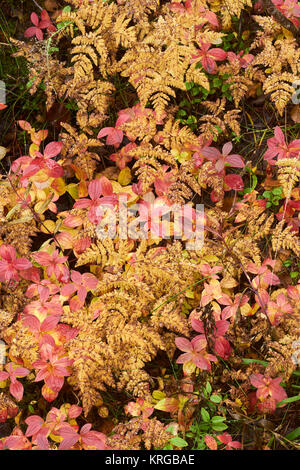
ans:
(256, 380)
(35, 19)
(52, 149)
(74, 411)
(227, 148)
(34, 425)
(234, 182)
(183, 344)
(235, 160)
(4, 375)
(107, 189)
(17, 390)
(30, 32)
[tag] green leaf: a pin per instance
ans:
(171, 429)
(205, 415)
(178, 442)
(168, 447)
(225, 87)
(217, 419)
(219, 427)
(30, 408)
(254, 361)
(288, 400)
(195, 91)
(277, 191)
(294, 274)
(208, 388)
(216, 398)
(293, 435)
(188, 85)
(216, 82)
(267, 194)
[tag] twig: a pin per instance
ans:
(271, 9)
(37, 5)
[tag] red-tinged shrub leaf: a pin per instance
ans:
(106, 186)
(52, 149)
(183, 344)
(17, 390)
(167, 404)
(197, 325)
(114, 136)
(81, 245)
(93, 439)
(34, 425)
(34, 19)
(73, 221)
(21, 372)
(74, 411)
(3, 375)
(217, 53)
(236, 161)
(70, 437)
(65, 240)
(3, 415)
(256, 380)
(48, 394)
(39, 34)
(17, 443)
(234, 181)
(25, 125)
(210, 442)
(49, 323)
(75, 304)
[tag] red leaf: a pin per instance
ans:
(35, 19)
(234, 182)
(52, 149)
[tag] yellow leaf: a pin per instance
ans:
(247, 310)
(59, 186)
(228, 283)
(288, 34)
(211, 258)
(82, 189)
(3, 151)
(189, 367)
(72, 189)
(125, 177)
(17, 418)
(48, 226)
(56, 438)
(189, 294)
(158, 395)
(32, 149)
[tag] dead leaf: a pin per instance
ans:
(295, 113)
(51, 5)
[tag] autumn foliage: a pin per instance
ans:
(190, 345)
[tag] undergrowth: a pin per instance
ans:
(149, 221)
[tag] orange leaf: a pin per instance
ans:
(167, 404)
